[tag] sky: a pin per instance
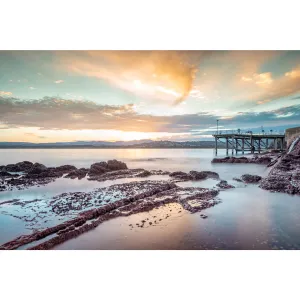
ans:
(62, 96)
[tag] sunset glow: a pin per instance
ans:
(126, 95)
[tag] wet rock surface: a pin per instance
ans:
(36, 174)
(248, 178)
(112, 175)
(237, 179)
(78, 173)
(284, 176)
(56, 219)
(224, 185)
(144, 173)
(194, 175)
(18, 167)
(261, 159)
(204, 175)
(79, 212)
(181, 175)
(103, 167)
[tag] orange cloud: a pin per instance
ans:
(163, 75)
(262, 79)
(3, 93)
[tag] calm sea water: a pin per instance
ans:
(247, 218)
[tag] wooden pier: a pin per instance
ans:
(249, 142)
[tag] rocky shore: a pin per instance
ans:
(54, 220)
(266, 158)
(284, 176)
(114, 201)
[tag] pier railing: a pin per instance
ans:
(234, 132)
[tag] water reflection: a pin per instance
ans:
(239, 222)
(247, 218)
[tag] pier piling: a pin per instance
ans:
(248, 142)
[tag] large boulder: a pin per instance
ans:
(37, 169)
(98, 168)
(247, 178)
(103, 167)
(23, 166)
(198, 175)
(115, 165)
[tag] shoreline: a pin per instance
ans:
(89, 219)
(115, 147)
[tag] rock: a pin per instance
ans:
(23, 166)
(247, 178)
(79, 173)
(203, 216)
(66, 168)
(237, 179)
(144, 173)
(181, 175)
(40, 173)
(177, 173)
(204, 175)
(37, 169)
(223, 184)
(296, 176)
(198, 175)
(114, 165)
(103, 167)
(220, 160)
(279, 184)
(98, 168)
(239, 160)
(262, 159)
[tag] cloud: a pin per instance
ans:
(272, 89)
(259, 102)
(263, 79)
(227, 79)
(3, 93)
(58, 81)
(163, 75)
(85, 115)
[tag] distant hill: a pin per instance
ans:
(119, 144)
